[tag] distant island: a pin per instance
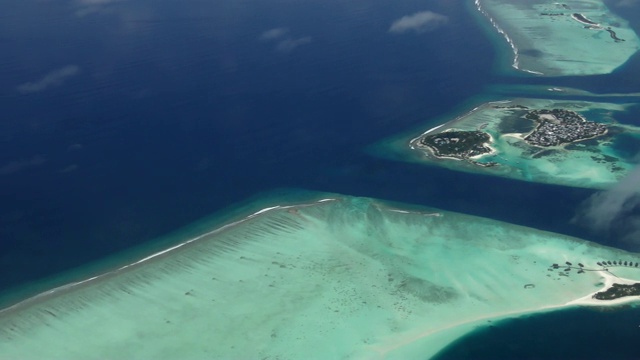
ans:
(595, 26)
(530, 29)
(541, 140)
(583, 19)
(613, 288)
(557, 127)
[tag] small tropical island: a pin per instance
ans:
(566, 38)
(617, 291)
(615, 286)
(595, 26)
(575, 143)
(461, 145)
(559, 126)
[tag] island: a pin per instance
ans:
(555, 141)
(555, 127)
(461, 145)
(617, 291)
(582, 19)
(373, 280)
(560, 126)
(595, 26)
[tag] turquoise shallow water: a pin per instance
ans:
(340, 277)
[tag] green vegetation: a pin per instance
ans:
(458, 144)
(617, 291)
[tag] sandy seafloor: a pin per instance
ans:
(547, 40)
(340, 277)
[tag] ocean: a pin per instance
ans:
(176, 112)
(568, 334)
(124, 121)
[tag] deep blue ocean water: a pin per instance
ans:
(568, 334)
(125, 120)
(179, 109)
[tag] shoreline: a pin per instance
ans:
(584, 301)
(586, 21)
(609, 280)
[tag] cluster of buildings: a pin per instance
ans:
(558, 126)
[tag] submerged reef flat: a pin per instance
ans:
(573, 37)
(564, 142)
(559, 126)
(339, 278)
